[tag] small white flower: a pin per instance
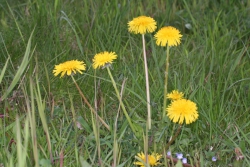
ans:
(184, 160)
(179, 156)
(169, 153)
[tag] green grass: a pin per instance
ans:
(40, 112)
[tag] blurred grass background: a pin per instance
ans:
(211, 66)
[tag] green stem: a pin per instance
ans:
(173, 138)
(95, 123)
(166, 84)
(88, 104)
(147, 82)
(121, 103)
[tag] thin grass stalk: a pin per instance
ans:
(3, 70)
(77, 153)
(22, 149)
(88, 104)
(19, 142)
(73, 110)
(76, 126)
(119, 98)
(147, 82)
(50, 95)
(115, 146)
(165, 84)
(32, 121)
(115, 151)
(97, 138)
(16, 22)
(65, 17)
(165, 158)
(56, 4)
(41, 108)
(174, 137)
(26, 140)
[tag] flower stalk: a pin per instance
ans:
(147, 82)
(166, 83)
(167, 36)
(142, 25)
(88, 104)
(174, 137)
(120, 101)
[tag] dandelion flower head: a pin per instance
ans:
(69, 67)
(103, 58)
(182, 109)
(142, 25)
(175, 95)
(168, 36)
(153, 159)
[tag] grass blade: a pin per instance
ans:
(3, 70)
(21, 69)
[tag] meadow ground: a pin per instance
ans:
(47, 120)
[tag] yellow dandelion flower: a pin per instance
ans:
(152, 159)
(182, 109)
(69, 67)
(168, 36)
(103, 58)
(175, 95)
(142, 25)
